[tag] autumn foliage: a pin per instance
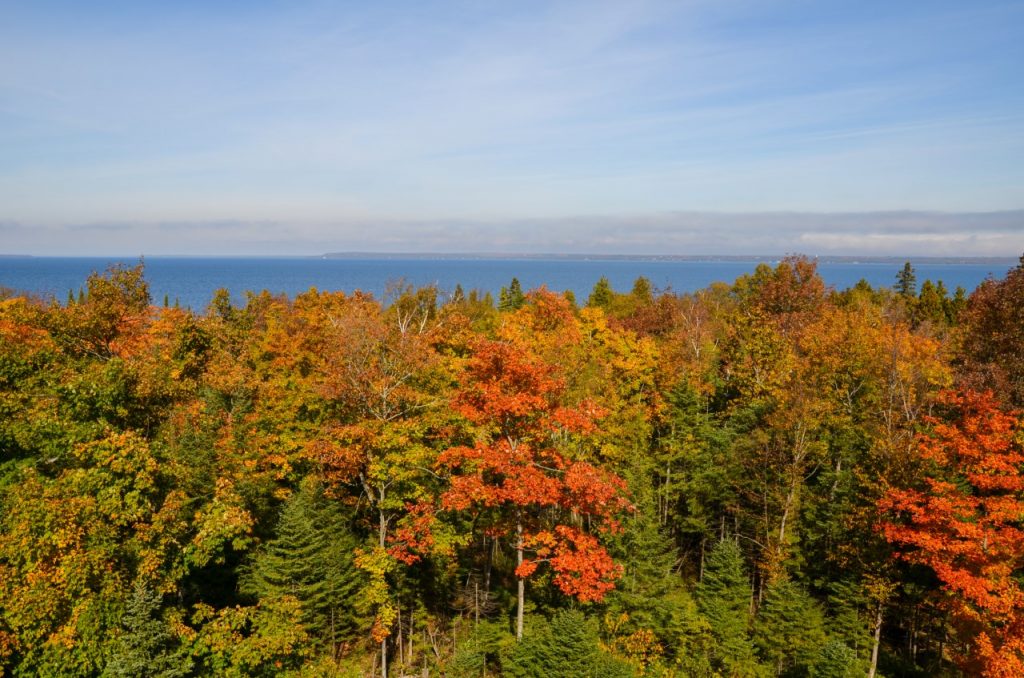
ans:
(519, 475)
(768, 477)
(965, 524)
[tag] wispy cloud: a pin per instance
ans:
(693, 233)
(320, 118)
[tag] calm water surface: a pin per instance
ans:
(192, 281)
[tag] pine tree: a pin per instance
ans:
(931, 303)
(651, 597)
(564, 647)
(310, 558)
(956, 305)
(836, 660)
(789, 630)
(515, 293)
(480, 651)
(906, 281)
(511, 298)
(723, 597)
(146, 648)
(602, 295)
(642, 290)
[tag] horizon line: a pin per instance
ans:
(372, 254)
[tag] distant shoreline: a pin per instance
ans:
(711, 258)
(544, 256)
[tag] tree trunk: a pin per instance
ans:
(521, 583)
(412, 634)
(700, 573)
(382, 535)
(401, 644)
(874, 646)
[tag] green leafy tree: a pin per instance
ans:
(108, 316)
(259, 641)
(68, 544)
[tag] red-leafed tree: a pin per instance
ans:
(518, 477)
(967, 525)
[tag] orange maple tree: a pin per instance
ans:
(516, 478)
(965, 524)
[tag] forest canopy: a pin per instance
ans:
(763, 478)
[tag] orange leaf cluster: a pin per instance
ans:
(582, 566)
(415, 535)
(516, 475)
(965, 525)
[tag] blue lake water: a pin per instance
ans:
(192, 281)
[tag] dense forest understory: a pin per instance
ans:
(769, 478)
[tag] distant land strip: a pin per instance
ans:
(547, 256)
(767, 258)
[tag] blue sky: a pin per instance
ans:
(299, 127)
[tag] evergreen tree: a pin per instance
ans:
(602, 295)
(723, 596)
(931, 303)
(564, 647)
(847, 602)
(789, 630)
(515, 292)
(642, 290)
(836, 660)
(511, 297)
(481, 651)
(310, 558)
(906, 281)
(694, 457)
(956, 305)
(652, 599)
(146, 648)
